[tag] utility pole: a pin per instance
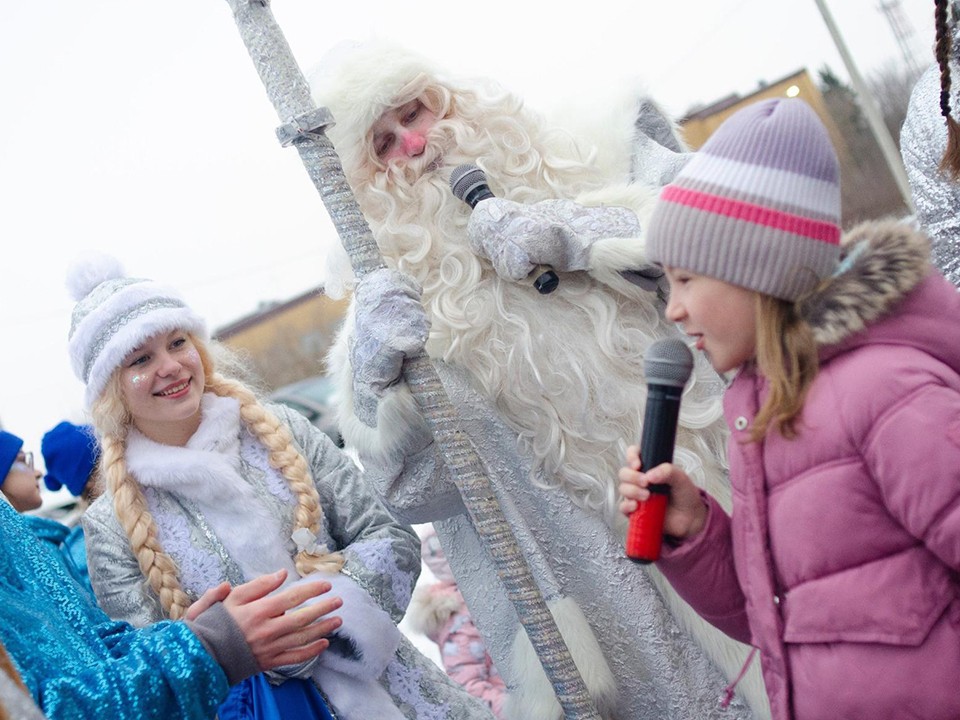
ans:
(870, 110)
(903, 32)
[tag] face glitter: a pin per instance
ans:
(137, 379)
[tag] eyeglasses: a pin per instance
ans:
(27, 461)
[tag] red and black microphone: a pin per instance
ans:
(469, 183)
(667, 365)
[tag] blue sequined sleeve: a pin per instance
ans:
(77, 663)
(158, 672)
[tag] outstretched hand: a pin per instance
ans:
(278, 630)
(686, 512)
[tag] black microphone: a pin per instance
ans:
(667, 365)
(469, 183)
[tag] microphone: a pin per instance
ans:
(667, 367)
(469, 183)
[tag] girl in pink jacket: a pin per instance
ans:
(840, 559)
(439, 612)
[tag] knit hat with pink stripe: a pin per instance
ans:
(757, 206)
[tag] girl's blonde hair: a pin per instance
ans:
(787, 357)
(113, 421)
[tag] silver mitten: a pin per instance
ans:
(515, 238)
(389, 325)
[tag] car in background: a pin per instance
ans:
(312, 397)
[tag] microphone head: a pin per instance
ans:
(465, 179)
(668, 362)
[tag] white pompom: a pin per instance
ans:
(89, 271)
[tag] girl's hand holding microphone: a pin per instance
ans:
(685, 514)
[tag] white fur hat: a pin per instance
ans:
(115, 314)
(358, 82)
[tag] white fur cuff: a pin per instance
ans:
(368, 638)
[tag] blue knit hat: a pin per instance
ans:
(10, 445)
(69, 454)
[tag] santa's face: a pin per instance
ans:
(400, 133)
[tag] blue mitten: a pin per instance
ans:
(559, 233)
(389, 325)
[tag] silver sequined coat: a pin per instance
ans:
(604, 603)
(224, 514)
(936, 197)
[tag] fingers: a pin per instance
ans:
(628, 507)
(270, 616)
(308, 613)
(257, 588)
(205, 601)
(634, 483)
(296, 655)
(297, 636)
(662, 474)
(297, 595)
(632, 479)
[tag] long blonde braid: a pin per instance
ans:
(283, 456)
(112, 420)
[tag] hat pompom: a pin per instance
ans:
(88, 272)
(70, 453)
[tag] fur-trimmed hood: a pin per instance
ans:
(886, 267)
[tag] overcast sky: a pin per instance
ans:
(141, 129)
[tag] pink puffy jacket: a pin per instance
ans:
(841, 558)
(439, 612)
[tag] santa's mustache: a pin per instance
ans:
(443, 151)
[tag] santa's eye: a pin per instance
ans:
(411, 113)
(382, 145)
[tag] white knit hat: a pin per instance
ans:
(114, 315)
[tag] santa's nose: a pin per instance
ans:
(413, 144)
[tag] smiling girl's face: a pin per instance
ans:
(162, 383)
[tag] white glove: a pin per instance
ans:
(390, 324)
(515, 238)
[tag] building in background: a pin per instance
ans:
(286, 341)
(869, 189)
(700, 124)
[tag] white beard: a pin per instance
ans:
(565, 369)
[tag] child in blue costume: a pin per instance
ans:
(70, 454)
(21, 488)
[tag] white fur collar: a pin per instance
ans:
(207, 471)
(199, 469)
